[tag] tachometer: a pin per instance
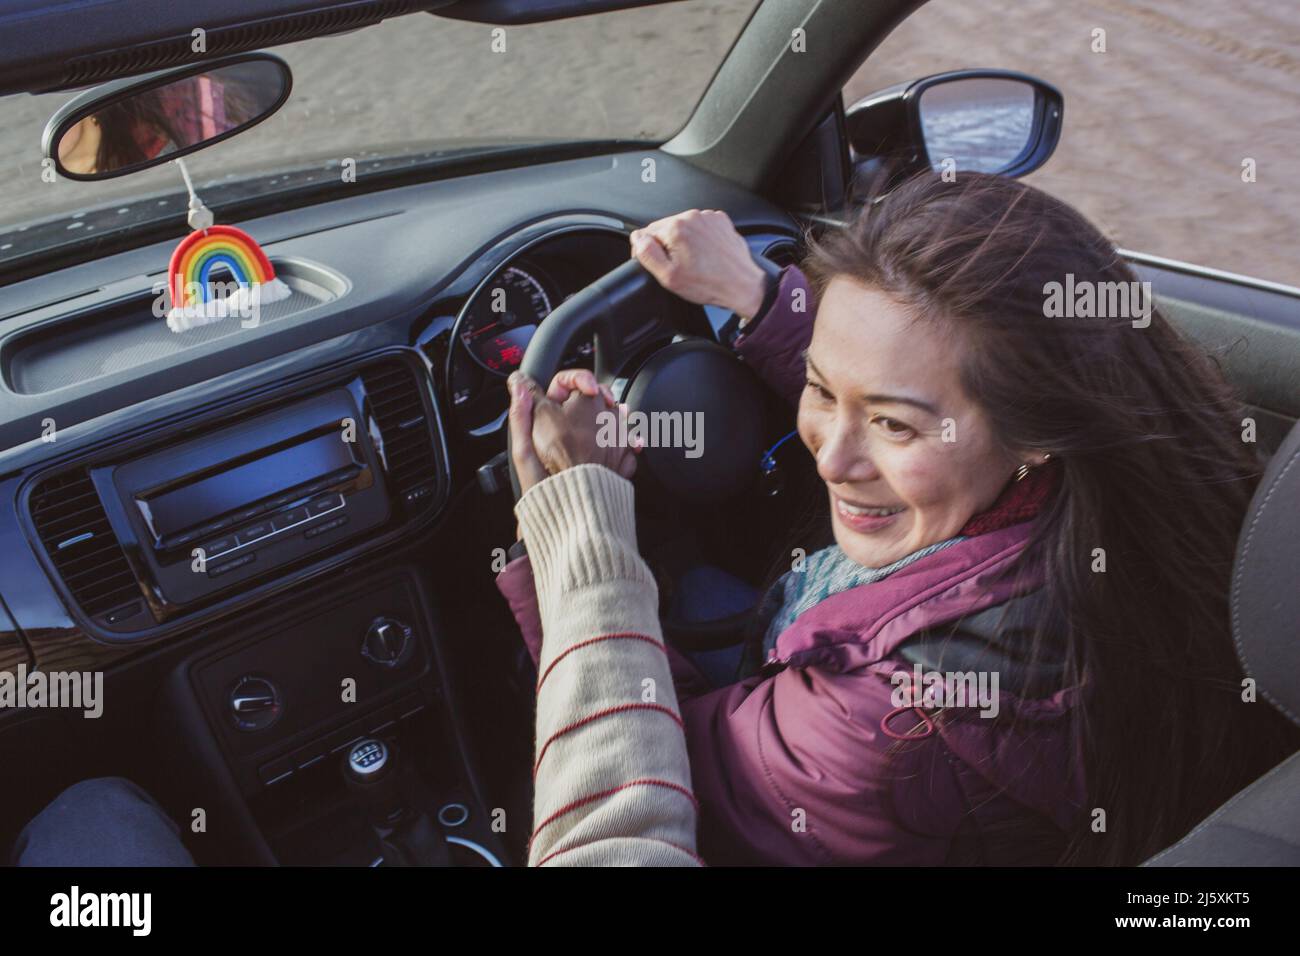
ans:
(501, 320)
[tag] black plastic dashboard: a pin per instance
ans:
(402, 274)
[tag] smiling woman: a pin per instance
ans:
(1044, 504)
(941, 294)
(907, 462)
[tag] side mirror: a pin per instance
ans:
(128, 125)
(989, 121)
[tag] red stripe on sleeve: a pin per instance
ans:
(597, 715)
(592, 798)
(698, 859)
(620, 636)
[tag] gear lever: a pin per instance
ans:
(371, 774)
(408, 838)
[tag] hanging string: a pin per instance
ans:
(200, 216)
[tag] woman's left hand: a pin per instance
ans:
(557, 430)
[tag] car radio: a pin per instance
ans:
(213, 511)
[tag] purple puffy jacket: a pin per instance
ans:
(811, 762)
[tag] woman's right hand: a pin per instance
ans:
(560, 428)
(699, 256)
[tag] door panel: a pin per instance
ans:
(1252, 327)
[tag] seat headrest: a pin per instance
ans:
(1265, 600)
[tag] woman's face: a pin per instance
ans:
(907, 458)
(79, 146)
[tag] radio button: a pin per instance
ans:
(212, 527)
(323, 504)
(330, 525)
(180, 540)
(231, 565)
(220, 546)
(291, 517)
(253, 532)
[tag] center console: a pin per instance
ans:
(305, 705)
(216, 512)
(277, 535)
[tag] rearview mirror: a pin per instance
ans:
(989, 121)
(129, 125)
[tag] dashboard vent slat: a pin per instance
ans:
(406, 444)
(74, 529)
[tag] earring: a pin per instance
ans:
(1023, 471)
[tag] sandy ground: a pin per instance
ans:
(1156, 127)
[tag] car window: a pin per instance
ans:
(409, 85)
(1170, 112)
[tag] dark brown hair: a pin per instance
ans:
(120, 127)
(1152, 469)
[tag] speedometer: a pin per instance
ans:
(501, 320)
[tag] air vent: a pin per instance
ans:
(405, 438)
(75, 531)
(221, 41)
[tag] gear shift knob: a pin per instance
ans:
(371, 774)
(408, 837)
(369, 760)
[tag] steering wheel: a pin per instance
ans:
(627, 314)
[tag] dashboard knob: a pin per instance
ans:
(254, 703)
(388, 642)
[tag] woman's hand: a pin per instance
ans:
(699, 256)
(557, 430)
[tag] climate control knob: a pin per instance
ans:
(254, 703)
(388, 642)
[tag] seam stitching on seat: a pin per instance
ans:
(1237, 582)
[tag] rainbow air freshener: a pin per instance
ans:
(216, 273)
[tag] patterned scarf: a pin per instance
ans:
(830, 571)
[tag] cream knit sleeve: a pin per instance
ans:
(611, 777)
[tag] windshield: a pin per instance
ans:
(412, 90)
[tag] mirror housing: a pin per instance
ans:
(129, 125)
(993, 121)
(518, 12)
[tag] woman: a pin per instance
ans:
(152, 123)
(1050, 501)
(127, 133)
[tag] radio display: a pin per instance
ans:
(202, 500)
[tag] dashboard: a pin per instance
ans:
(494, 327)
(497, 327)
(156, 439)
(232, 523)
